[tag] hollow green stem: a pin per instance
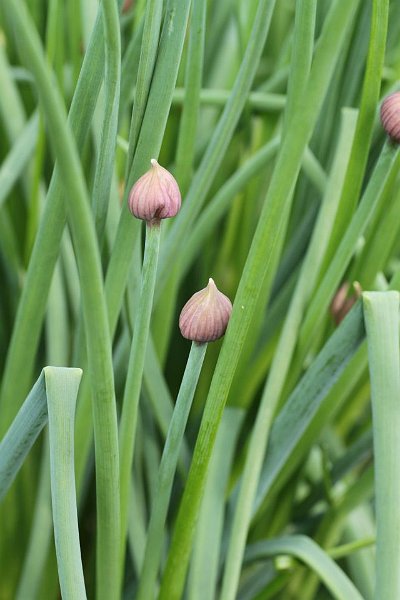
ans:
(135, 372)
(169, 460)
(381, 313)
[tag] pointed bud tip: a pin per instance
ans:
(155, 195)
(205, 317)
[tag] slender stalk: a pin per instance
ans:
(191, 103)
(257, 101)
(345, 550)
(112, 82)
(130, 62)
(381, 313)
(148, 55)
(62, 389)
(135, 372)
(169, 461)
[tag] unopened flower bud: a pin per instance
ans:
(155, 195)
(390, 116)
(343, 302)
(205, 316)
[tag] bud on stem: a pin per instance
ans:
(155, 195)
(204, 318)
(390, 116)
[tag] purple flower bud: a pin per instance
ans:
(205, 316)
(344, 300)
(390, 116)
(155, 195)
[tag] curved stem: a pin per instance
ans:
(314, 557)
(148, 54)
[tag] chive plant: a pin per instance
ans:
(262, 465)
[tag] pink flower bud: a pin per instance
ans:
(390, 116)
(155, 195)
(205, 316)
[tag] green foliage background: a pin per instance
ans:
(267, 114)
